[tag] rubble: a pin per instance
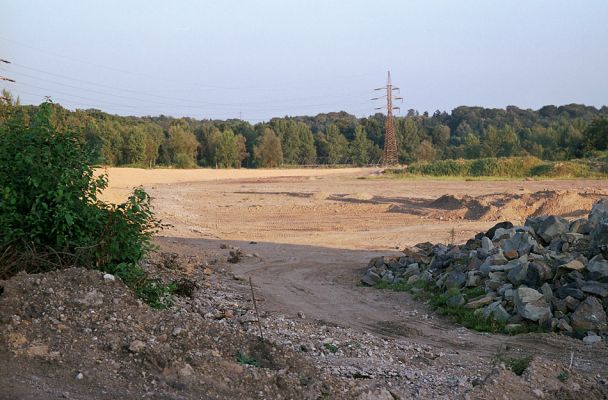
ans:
(549, 272)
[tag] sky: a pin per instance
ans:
(270, 58)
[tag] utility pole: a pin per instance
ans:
(390, 140)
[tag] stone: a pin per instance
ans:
(486, 244)
(381, 394)
(571, 303)
(547, 292)
(497, 312)
(592, 339)
(570, 290)
(479, 302)
(521, 243)
(473, 279)
(536, 273)
(455, 279)
(552, 227)
(370, 278)
(589, 315)
(80, 376)
(455, 300)
(109, 278)
(574, 265)
(598, 268)
(531, 304)
(136, 346)
(564, 326)
(511, 254)
(595, 288)
(517, 275)
(412, 269)
(599, 212)
(501, 225)
(502, 233)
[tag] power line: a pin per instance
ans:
(164, 78)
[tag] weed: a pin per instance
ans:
(563, 376)
(516, 364)
(243, 359)
(331, 347)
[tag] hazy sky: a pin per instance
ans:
(259, 59)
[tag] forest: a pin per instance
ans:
(337, 138)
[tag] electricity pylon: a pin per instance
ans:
(390, 156)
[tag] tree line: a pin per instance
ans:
(550, 133)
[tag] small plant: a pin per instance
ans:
(516, 364)
(563, 376)
(243, 359)
(331, 347)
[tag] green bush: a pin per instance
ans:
(51, 217)
(509, 167)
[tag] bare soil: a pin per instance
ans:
(306, 237)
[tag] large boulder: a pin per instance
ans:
(531, 304)
(589, 315)
(501, 225)
(598, 218)
(598, 268)
(521, 242)
(552, 227)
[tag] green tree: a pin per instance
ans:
(337, 146)
(268, 152)
(182, 146)
(360, 147)
(596, 136)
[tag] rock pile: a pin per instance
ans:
(550, 272)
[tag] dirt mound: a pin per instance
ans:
(76, 334)
(513, 206)
(450, 202)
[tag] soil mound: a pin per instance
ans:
(513, 206)
(78, 334)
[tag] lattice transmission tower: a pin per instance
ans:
(390, 156)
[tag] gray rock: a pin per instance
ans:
(497, 312)
(473, 279)
(517, 275)
(136, 346)
(479, 302)
(595, 288)
(370, 278)
(503, 233)
(552, 227)
(536, 273)
(388, 277)
(486, 244)
(455, 300)
(592, 339)
(564, 326)
(570, 290)
(531, 304)
(589, 315)
(598, 268)
(412, 269)
(547, 292)
(521, 242)
(599, 212)
(455, 279)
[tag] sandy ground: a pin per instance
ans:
(313, 232)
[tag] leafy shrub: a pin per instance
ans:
(51, 217)
(509, 167)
